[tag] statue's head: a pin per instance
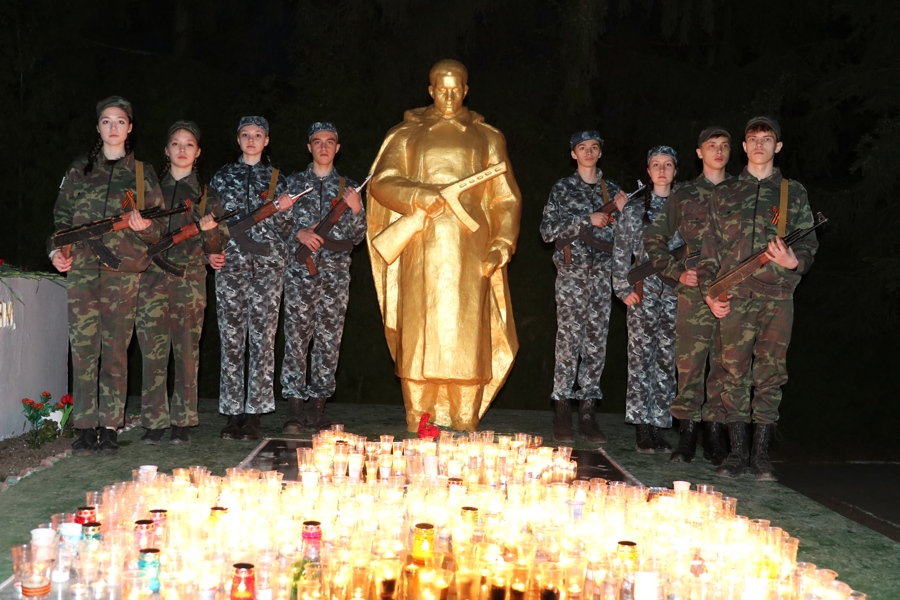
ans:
(448, 87)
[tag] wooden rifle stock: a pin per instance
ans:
(723, 284)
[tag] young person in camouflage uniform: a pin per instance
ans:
(101, 301)
(756, 318)
(170, 313)
(573, 221)
(651, 311)
(687, 213)
(248, 286)
(315, 304)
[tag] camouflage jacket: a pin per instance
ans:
(98, 195)
(629, 251)
(312, 208)
(239, 186)
(193, 251)
(686, 214)
(567, 215)
(743, 220)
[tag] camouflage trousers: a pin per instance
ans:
(582, 321)
(754, 339)
(314, 310)
(101, 310)
(696, 340)
(247, 310)
(651, 359)
(170, 315)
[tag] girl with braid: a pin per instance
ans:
(102, 297)
(651, 311)
(170, 314)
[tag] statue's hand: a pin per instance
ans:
(430, 201)
(493, 260)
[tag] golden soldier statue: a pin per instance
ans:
(443, 210)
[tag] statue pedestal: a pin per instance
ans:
(34, 346)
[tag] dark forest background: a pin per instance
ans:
(643, 72)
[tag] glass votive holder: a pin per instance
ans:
(387, 574)
(550, 580)
(135, 584)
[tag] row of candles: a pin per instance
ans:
(470, 517)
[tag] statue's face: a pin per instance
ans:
(448, 92)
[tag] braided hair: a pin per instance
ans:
(98, 147)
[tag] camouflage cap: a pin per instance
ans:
(666, 150)
(258, 121)
(187, 126)
(711, 132)
(764, 123)
(322, 126)
(583, 136)
(118, 102)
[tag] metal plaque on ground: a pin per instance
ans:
(278, 454)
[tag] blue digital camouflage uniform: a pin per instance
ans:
(170, 313)
(248, 291)
(315, 305)
(102, 302)
(696, 329)
(756, 333)
(651, 322)
(583, 287)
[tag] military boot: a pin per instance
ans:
(714, 448)
(760, 465)
(152, 437)
(319, 418)
(587, 424)
(735, 464)
(687, 441)
(181, 436)
(643, 443)
(294, 423)
(232, 429)
(108, 441)
(562, 422)
(660, 445)
(86, 443)
(250, 428)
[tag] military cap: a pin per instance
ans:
(258, 121)
(711, 132)
(667, 150)
(766, 123)
(187, 126)
(118, 102)
(583, 136)
(322, 126)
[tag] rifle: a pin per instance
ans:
(92, 232)
(394, 238)
(238, 229)
(720, 285)
(587, 237)
(645, 270)
(179, 235)
(338, 208)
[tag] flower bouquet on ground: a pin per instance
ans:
(427, 428)
(48, 422)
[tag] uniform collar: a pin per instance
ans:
(775, 177)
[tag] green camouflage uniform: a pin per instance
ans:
(754, 336)
(102, 302)
(171, 310)
(687, 212)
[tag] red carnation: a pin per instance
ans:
(426, 429)
(39, 406)
(66, 400)
(45, 394)
(2, 261)
(28, 402)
